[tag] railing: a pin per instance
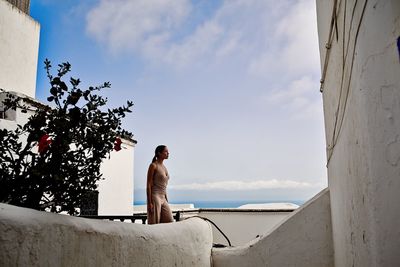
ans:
(178, 215)
(123, 218)
(21, 4)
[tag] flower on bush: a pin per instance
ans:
(44, 143)
(117, 144)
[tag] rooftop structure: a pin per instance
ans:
(23, 5)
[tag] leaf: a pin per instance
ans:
(53, 91)
(63, 86)
(55, 81)
(74, 82)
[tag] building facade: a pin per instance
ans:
(19, 46)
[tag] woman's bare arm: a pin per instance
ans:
(149, 186)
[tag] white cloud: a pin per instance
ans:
(201, 42)
(301, 97)
(128, 25)
(297, 90)
(245, 185)
(264, 35)
(294, 50)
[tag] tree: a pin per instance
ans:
(58, 160)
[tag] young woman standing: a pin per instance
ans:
(158, 210)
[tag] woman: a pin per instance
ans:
(158, 210)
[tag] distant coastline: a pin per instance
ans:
(226, 203)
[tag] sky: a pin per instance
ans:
(231, 87)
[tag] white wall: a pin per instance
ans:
(34, 238)
(241, 227)
(303, 239)
(116, 190)
(364, 167)
(19, 45)
(16, 117)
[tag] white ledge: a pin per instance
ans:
(34, 238)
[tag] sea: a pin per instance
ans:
(226, 203)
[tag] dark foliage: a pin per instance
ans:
(53, 160)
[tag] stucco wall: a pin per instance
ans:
(116, 190)
(33, 238)
(304, 239)
(241, 227)
(19, 45)
(361, 97)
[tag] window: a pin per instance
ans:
(9, 114)
(2, 113)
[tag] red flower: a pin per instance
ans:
(117, 144)
(44, 143)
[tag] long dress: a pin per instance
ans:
(161, 211)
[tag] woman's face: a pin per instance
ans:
(164, 154)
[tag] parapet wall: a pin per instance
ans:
(34, 238)
(304, 239)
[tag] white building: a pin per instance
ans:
(19, 41)
(19, 46)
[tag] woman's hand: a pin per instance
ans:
(150, 206)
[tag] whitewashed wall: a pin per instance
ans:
(14, 117)
(116, 190)
(361, 96)
(303, 239)
(19, 45)
(33, 238)
(241, 226)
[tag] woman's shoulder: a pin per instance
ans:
(153, 166)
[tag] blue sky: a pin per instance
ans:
(231, 87)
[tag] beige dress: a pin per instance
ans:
(161, 212)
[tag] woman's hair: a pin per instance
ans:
(158, 150)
